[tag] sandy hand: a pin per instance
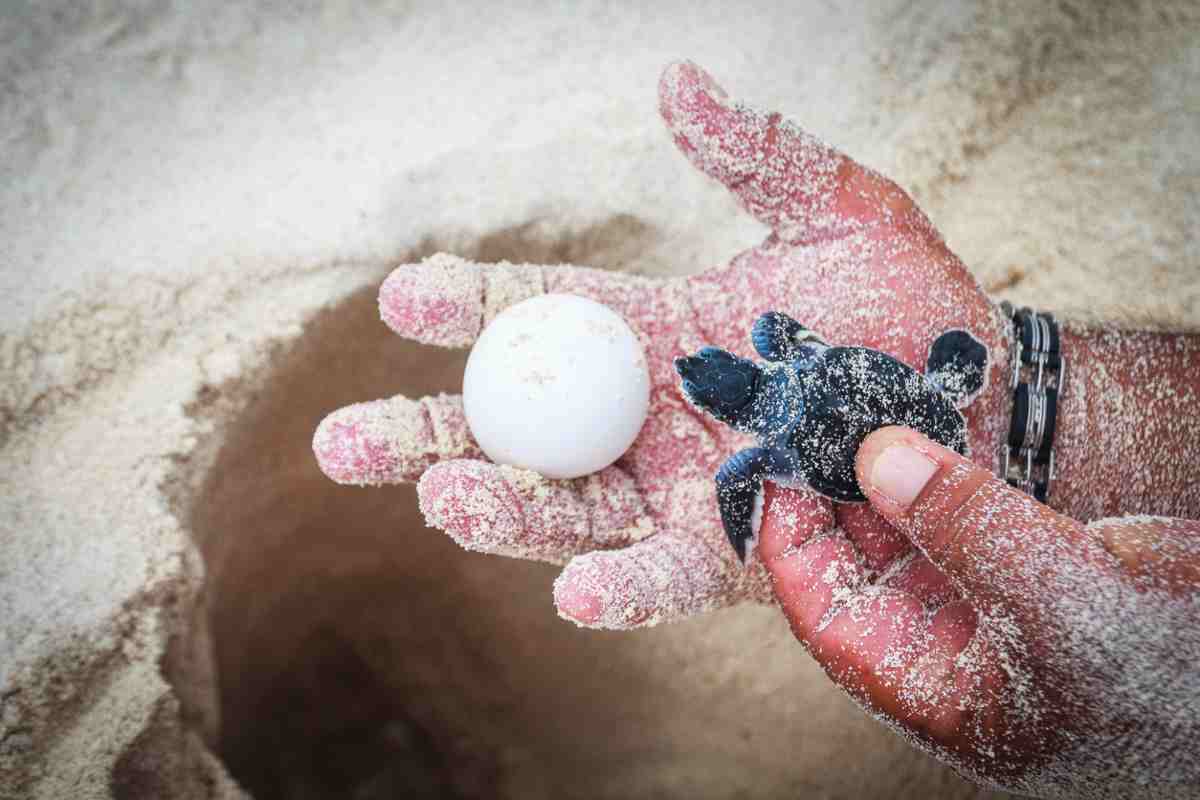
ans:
(1069, 667)
(850, 256)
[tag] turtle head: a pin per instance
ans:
(719, 382)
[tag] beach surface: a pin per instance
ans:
(198, 202)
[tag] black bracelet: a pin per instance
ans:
(1027, 458)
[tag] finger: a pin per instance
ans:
(1155, 551)
(503, 510)
(655, 580)
(887, 552)
(801, 188)
(882, 646)
(878, 541)
(790, 517)
(954, 693)
(446, 300)
(1006, 551)
(849, 626)
(392, 440)
(916, 575)
(812, 579)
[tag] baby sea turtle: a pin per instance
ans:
(812, 404)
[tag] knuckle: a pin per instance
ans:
(954, 503)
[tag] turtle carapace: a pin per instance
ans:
(812, 404)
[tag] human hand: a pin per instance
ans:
(850, 256)
(1062, 660)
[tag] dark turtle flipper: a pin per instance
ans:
(739, 481)
(777, 337)
(957, 366)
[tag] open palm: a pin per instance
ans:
(850, 256)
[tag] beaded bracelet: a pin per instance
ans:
(1027, 461)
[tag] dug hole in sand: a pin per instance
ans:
(196, 208)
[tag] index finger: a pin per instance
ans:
(447, 301)
(797, 185)
(882, 645)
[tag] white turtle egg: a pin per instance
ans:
(557, 384)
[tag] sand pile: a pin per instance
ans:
(196, 206)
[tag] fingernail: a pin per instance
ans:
(900, 473)
(575, 604)
(583, 609)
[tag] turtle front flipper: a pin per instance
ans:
(739, 486)
(957, 366)
(778, 337)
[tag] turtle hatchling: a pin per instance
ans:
(812, 404)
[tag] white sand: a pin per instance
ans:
(183, 187)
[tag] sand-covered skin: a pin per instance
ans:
(185, 186)
(1003, 678)
(1063, 671)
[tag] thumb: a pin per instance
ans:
(1006, 551)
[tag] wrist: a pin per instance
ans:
(1127, 424)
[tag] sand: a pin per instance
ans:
(197, 204)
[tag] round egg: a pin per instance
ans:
(557, 384)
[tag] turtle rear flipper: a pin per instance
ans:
(957, 366)
(778, 337)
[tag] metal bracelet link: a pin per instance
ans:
(1027, 458)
